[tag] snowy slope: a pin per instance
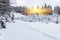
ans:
(21, 30)
(30, 31)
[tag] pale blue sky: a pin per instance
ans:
(35, 2)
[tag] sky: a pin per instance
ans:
(34, 2)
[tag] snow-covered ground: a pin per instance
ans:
(21, 30)
(30, 31)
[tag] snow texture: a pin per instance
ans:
(22, 30)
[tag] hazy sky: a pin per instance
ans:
(35, 2)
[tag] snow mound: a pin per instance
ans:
(38, 18)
